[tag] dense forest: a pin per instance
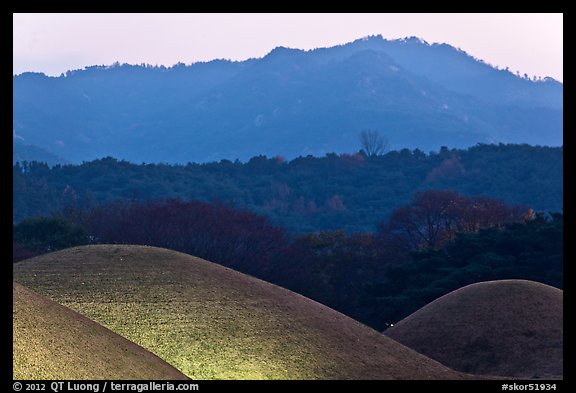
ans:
(350, 192)
(438, 242)
(375, 236)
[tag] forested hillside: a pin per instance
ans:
(373, 236)
(352, 192)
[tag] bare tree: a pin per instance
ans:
(373, 143)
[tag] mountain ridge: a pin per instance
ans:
(290, 102)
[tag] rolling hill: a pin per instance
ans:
(508, 328)
(211, 322)
(53, 342)
(290, 103)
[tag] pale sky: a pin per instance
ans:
(56, 43)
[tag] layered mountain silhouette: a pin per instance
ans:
(23, 152)
(290, 103)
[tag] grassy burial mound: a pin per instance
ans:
(53, 342)
(507, 328)
(211, 322)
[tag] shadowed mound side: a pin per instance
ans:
(509, 328)
(211, 322)
(54, 342)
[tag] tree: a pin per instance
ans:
(46, 234)
(434, 217)
(426, 221)
(239, 239)
(528, 250)
(373, 143)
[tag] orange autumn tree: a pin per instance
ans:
(433, 217)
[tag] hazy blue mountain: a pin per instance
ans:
(460, 72)
(22, 152)
(290, 103)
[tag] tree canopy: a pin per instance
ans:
(306, 194)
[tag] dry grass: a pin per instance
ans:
(54, 342)
(510, 328)
(211, 322)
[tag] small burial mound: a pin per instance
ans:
(507, 328)
(212, 322)
(51, 341)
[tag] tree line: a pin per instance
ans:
(348, 191)
(439, 241)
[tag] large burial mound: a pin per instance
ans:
(212, 322)
(54, 342)
(506, 328)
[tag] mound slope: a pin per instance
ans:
(212, 322)
(508, 328)
(53, 342)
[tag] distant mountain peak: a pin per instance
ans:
(289, 102)
(379, 39)
(282, 51)
(414, 40)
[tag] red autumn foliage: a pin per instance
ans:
(235, 238)
(435, 216)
